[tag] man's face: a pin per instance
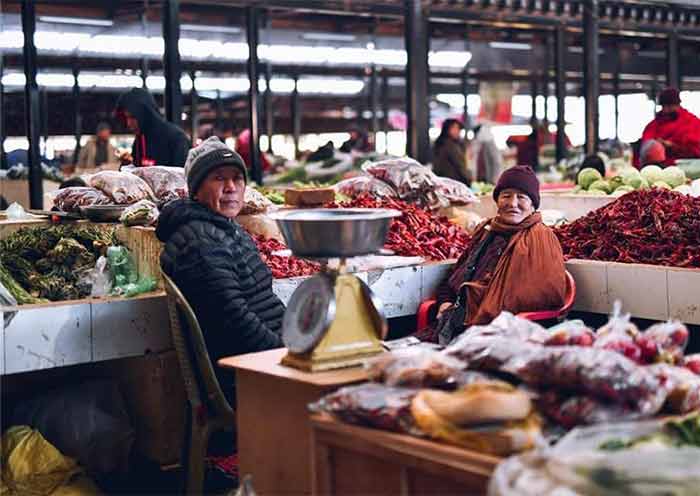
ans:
(514, 206)
(669, 109)
(455, 131)
(104, 134)
(222, 191)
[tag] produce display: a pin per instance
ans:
(167, 183)
(254, 202)
(457, 193)
(71, 199)
(481, 188)
(283, 266)
(654, 226)
(414, 368)
(417, 233)
(589, 181)
(365, 185)
(274, 196)
(48, 262)
(123, 188)
(412, 181)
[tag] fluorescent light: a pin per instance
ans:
(447, 58)
(210, 29)
(76, 20)
(11, 39)
(328, 37)
(510, 46)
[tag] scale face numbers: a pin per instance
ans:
(309, 314)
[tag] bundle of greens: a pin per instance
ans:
(47, 262)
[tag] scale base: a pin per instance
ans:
(308, 363)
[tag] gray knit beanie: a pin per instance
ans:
(209, 155)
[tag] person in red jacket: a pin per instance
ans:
(243, 149)
(675, 128)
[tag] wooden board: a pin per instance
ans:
(355, 460)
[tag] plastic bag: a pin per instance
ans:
(254, 202)
(123, 188)
(663, 342)
(619, 335)
(88, 422)
(414, 368)
(412, 181)
(121, 266)
(453, 191)
(692, 363)
(141, 213)
(98, 279)
(373, 405)
(570, 333)
(7, 300)
(509, 326)
(71, 199)
(361, 185)
(167, 183)
(681, 385)
(16, 212)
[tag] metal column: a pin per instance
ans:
(385, 111)
(77, 118)
(616, 96)
(591, 73)
(267, 104)
(417, 75)
(252, 27)
(374, 104)
(219, 109)
(465, 92)
(560, 88)
(171, 61)
(31, 101)
(144, 29)
(3, 160)
(533, 97)
(296, 116)
(194, 110)
(673, 68)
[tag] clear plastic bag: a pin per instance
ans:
(254, 202)
(570, 333)
(123, 188)
(361, 185)
(414, 368)
(373, 405)
(98, 279)
(619, 335)
(71, 199)
(664, 342)
(167, 183)
(692, 363)
(121, 266)
(681, 385)
(509, 326)
(453, 191)
(16, 212)
(411, 180)
(141, 213)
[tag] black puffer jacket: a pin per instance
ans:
(160, 142)
(218, 268)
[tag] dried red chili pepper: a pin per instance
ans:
(283, 267)
(654, 226)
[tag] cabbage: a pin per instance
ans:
(588, 176)
(644, 184)
(601, 185)
(685, 189)
(652, 173)
(577, 189)
(673, 176)
(631, 177)
(616, 182)
(624, 188)
(660, 184)
(695, 188)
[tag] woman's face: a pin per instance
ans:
(514, 206)
(454, 131)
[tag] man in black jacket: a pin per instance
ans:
(157, 141)
(215, 263)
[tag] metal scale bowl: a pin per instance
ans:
(333, 319)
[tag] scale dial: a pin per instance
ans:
(309, 314)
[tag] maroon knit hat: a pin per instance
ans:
(669, 96)
(520, 177)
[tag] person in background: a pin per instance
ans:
(487, 158)
(243, 149)
(450, 154)
(514, 262)
(676, 129)
(157, 141)
(214, 261)
(652, 152)
(358, 141)
(98, 152)
(593, 162)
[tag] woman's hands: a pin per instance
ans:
(442, 308)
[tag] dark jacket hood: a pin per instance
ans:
(141, 104)
(179, 212)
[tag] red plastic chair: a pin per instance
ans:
(428, 309)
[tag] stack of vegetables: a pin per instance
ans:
(590, 181)
(46, 263)
(654, 226)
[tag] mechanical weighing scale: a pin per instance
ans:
(333, 320)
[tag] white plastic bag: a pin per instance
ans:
(17, 212)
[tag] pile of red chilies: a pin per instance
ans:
(417, 233)
(654, 226)
(283, 267)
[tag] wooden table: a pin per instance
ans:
(274, 433)
(356, 460)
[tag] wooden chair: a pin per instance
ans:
(208, 411)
